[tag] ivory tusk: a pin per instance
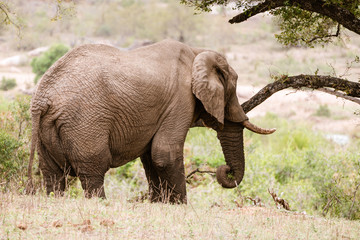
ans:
(256, 129)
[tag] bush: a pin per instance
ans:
(7, 83)
(8, 147)
(43, 62)
(323, 111)
(14, 142)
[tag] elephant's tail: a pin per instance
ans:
(34, 140)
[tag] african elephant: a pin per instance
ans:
(98, 108)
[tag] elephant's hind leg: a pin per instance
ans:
(93, 185)
(54, 176)
(92, 172)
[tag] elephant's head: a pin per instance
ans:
(214, 85)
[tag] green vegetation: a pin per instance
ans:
(299, 27)
(14, 143)
(323, 111)
(7, 83)
(311, 173)
(42, 63)
(4, 104)
(8, 147)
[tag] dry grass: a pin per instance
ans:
(206, 216)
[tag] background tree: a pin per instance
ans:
(9, 17)
(302, 23)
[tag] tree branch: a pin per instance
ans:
(333, 11)
(322, 37)
(199, 171)
(260, 8)
(339, 94)
(344, 88)
(339, 14)
(7, 20)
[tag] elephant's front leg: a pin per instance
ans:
(167, 159)
(152, 177)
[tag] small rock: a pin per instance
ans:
(107, 222)
(22, 226)
(57, 224)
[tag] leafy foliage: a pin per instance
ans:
(42, 63)
(8, 147)
(300, 27)
(14, 139)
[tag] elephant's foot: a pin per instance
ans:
(55, 184)
(93, 186)
(166, 194)
(159, 188)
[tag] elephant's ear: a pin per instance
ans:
(207, 83)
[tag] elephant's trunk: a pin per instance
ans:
(231, 139)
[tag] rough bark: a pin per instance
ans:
(337, 86)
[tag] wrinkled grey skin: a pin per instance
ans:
(98, 108)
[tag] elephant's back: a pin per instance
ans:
(74, 77)
(74, 66)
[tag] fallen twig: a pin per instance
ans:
(199, 171)
(256, 201)
(279, 201)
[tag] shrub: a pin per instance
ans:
(14, 140)
(323, 111)
(43, 62)
(7, 83)
(8, 147)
